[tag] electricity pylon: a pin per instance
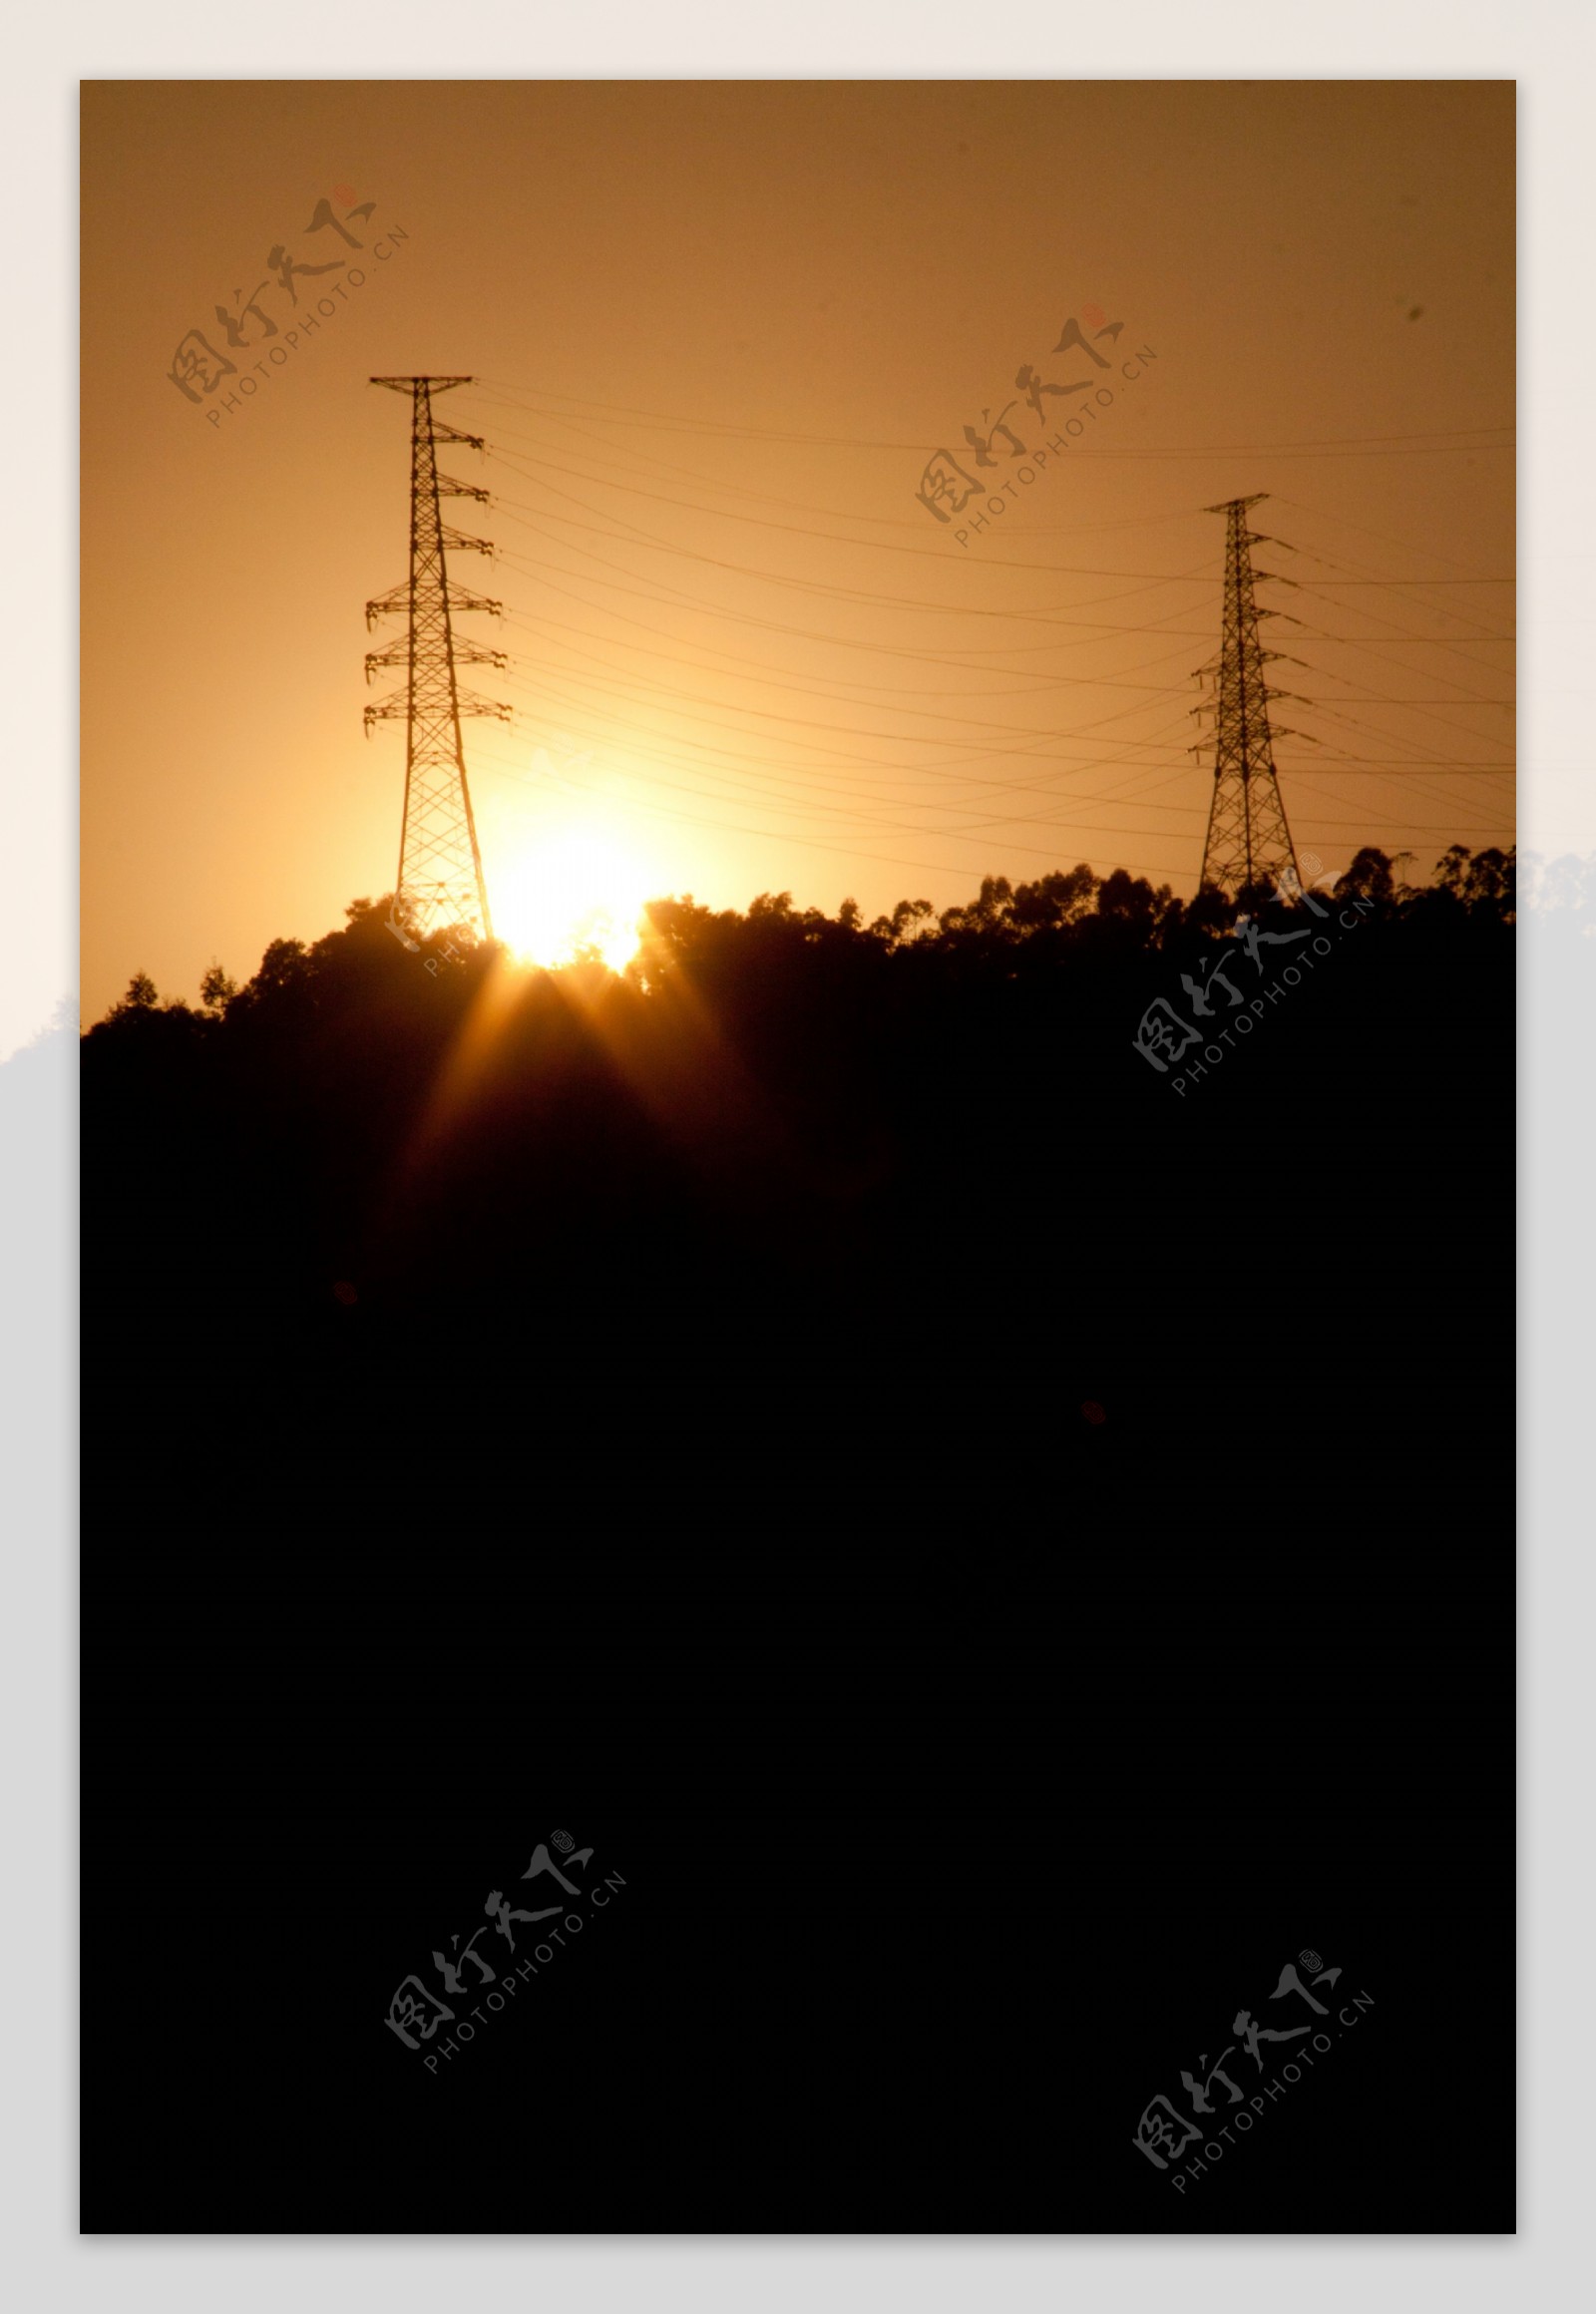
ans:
(1248, 840)
(441, 882)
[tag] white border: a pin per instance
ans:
(1549, 49)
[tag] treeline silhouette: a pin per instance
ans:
(777, 1082)
(805, 1126)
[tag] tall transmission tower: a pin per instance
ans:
(1248, 840)
(441, 882)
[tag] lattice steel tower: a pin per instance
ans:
(1248, 839)
(441, 882)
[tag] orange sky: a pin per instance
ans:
(720, 328)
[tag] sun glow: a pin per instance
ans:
(571, 896)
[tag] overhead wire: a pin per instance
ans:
(568, 686)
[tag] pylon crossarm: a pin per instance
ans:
(468, 704)
(432, 385)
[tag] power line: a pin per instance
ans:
(1439, 438)
(582, 674)
(650, 457)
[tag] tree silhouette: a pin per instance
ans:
(141, 996)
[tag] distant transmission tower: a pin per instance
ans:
(1248, 840)
(440, 867)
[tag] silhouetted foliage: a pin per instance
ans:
(216, 990)
(141, 996)
(768, 1101)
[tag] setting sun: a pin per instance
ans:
(574, 894)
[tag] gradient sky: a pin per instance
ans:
(719, 329)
